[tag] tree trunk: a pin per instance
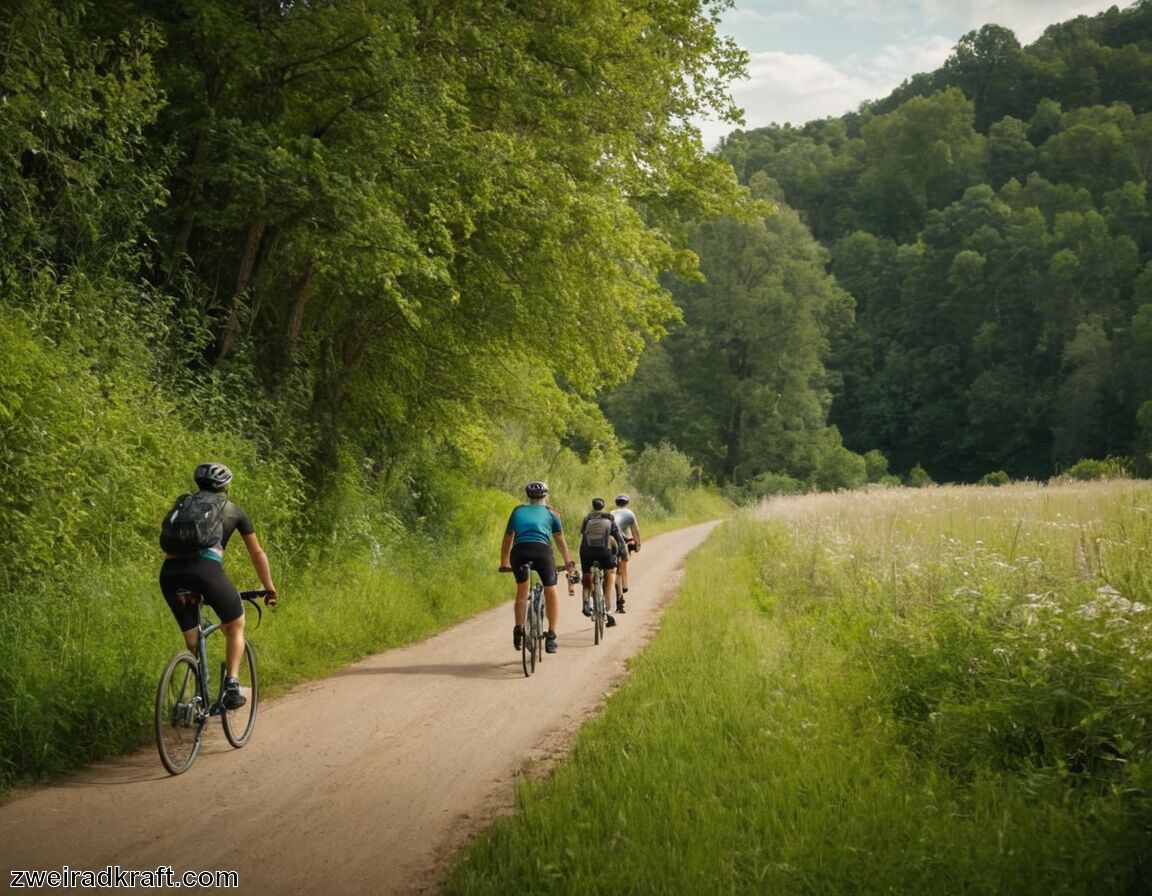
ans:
(243, 279)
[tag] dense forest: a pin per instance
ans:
(990, 222)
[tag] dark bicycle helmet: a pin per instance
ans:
(597, 503)
(536, 489)
(621, 500)
(213, 477)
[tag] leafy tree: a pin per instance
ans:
(988, 66)
(741, 384)
(920, 156)
(1010, 154)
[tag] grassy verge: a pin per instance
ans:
(932, 691)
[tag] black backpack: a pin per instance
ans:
(597, 530)
(194, 523)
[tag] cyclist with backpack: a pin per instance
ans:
(528, 538)
(626, 521)
(193, 536)
(600, 541)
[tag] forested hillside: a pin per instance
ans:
(990, 221)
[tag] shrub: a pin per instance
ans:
(836, 466)
(875, 466)
(1089, 469)
(662, 472)
(918, 477)
(999, 477)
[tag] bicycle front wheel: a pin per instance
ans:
(180, 713)
(238, 723)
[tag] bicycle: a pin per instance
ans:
(535, 623)
(599, 609)
(183, 701)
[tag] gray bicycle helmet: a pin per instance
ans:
(212, 476)
(536, 489)
(621, 500)
(597, 503)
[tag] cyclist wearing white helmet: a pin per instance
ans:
(203, 573)
(528, 538)
(626, 523)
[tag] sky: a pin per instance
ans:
(813, 59)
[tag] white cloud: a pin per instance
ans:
(784, 87)
(1026, 18)
(796, 88)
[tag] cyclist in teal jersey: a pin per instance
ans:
(528, 539)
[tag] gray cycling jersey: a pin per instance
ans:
(625, 520)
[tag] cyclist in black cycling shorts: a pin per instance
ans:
(528, 538)
(204, 574)
(600, 541)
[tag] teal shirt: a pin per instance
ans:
(533, 523)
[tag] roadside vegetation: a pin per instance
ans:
(938, 690)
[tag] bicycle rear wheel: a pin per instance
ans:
(238, 723)
(597, 605)
(180, 713)
(537, 611)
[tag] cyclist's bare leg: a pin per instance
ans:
(521, 606)
(609, 582)
(234, 650)
(191, 636)
(552, 606)
(623, 572)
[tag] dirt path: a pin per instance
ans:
(363, 782)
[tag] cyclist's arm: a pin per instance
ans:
(506, 549)
(562, 543)
(636, 535)
(260, 564)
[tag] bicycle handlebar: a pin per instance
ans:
(253, 598)
(572, 576)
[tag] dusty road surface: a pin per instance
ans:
(364, 782)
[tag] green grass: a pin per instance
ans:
(907, 691)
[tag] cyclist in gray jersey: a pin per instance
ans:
(626, 522)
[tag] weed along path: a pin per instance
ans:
(367, 781)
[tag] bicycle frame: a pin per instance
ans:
(207, 629)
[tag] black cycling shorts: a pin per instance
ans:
(589, 555)
(539, 555)
(204, 577)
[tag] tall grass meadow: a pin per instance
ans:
(938, 690)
